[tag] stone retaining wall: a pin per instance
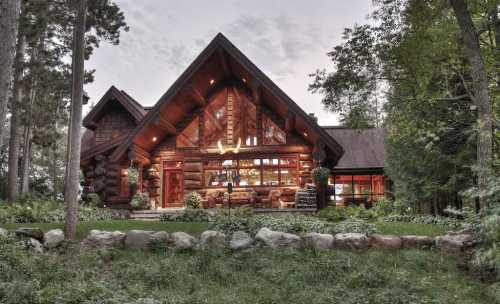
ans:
(38, 241)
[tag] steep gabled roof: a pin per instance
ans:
(113, 94)
(220, 42)
(364, 148)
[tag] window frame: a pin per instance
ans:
(261, 167)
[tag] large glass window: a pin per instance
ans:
(215, 124)
(189, 137)
(357, 189)
(245, 122)
(272, 134)
(252, 172)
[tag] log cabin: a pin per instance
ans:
(223, 120)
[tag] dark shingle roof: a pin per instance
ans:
(364, 148)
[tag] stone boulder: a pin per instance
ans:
(275, 239)
(160, 238)
(100, 239)
(386, 241)
(34, 245)
(318, 240)
(35, 233)
(138, 239)
(53, 238)
(454, 242)
(417, 241)
(4, 232)
(212, 239)
(240, 240)
(182, 241)
(351, 241)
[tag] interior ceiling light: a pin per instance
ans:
(305, 134)
(244, 80)
(155, 139)
(212, 81)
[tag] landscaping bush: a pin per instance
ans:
(140, 201)
(446, 222)
(488, 255)
(297, 224)
(187, 215)
(192, 200)
(335, 214)
(39, 210)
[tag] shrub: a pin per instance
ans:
(383, 207)
(188, 215)
(140, 201)
(192, 200)
(298, 224)
(488, 255)
(424, 219)
(47, 211)
(93, 200)
(336, 214)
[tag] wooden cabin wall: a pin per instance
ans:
(117, 121)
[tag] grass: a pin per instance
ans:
(261, 276)
(83, 228)
(397, 228)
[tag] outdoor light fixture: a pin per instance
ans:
(155, 138)
(244, 80)
(305, 134)
(212, 81)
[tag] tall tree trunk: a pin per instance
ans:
(17, 97)
(25, 165)
(9, 16)
(54, 171)
(73, 178)
(481, 95)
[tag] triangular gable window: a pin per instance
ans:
(272, 134)
(189, 137)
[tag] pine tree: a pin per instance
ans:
(9, 14)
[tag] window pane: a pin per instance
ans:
(288, 176)
(249, 177)
(289, 162)
(378, 184)
(362, 185)
(229, 163)
(216, 120)
(189, 137)
(270, 162)
(214, 178)
(270, 177)
(343, 188)
(249, 162)
(272, 134)
(245, 117)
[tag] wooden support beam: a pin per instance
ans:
(256, 93)
(193, 91)
(165, 125)
(290, 122)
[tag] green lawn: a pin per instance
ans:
(83, 228)
(398, 228)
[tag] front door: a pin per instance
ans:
(173, 188)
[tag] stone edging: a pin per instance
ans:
(240, 240)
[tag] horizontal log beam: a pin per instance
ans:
(165, 125)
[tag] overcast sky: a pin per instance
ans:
(286, 39)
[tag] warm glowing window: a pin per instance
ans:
(245, 121)
(358, 188)
(252, 172)
(272, 134)
(189, 137)
(215, 124)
